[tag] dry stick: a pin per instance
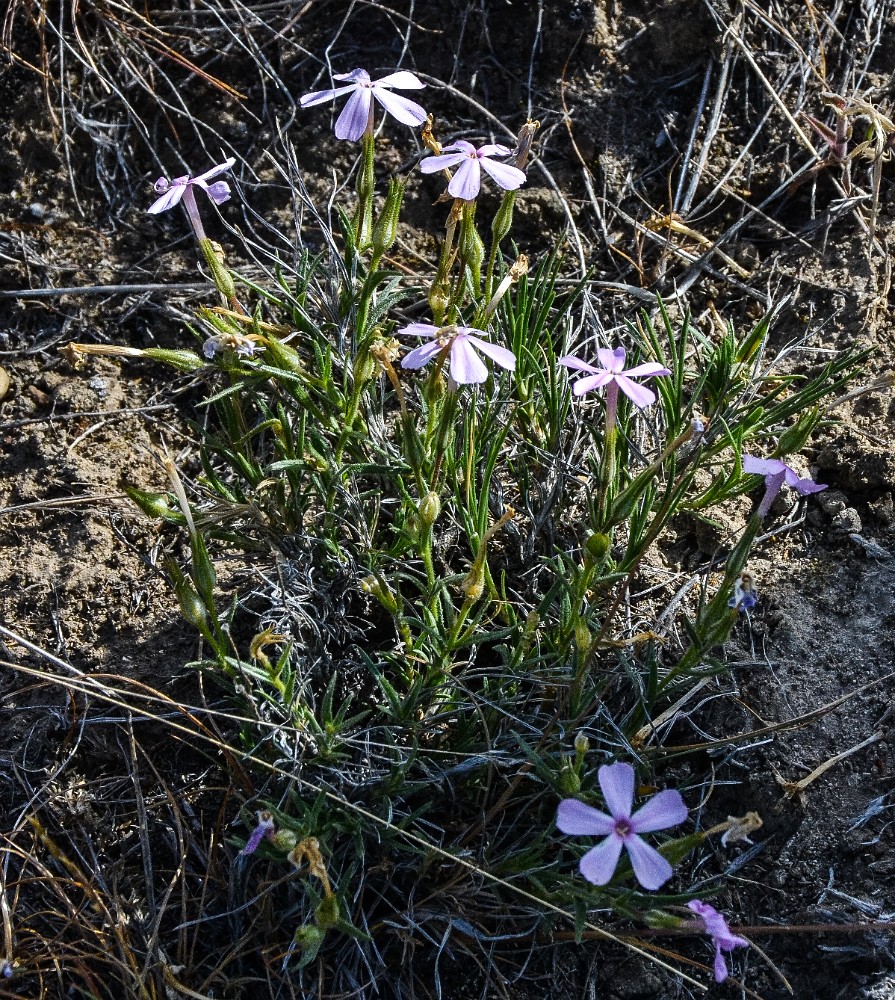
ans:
(697, 118)
(83, 683)
(52, 293)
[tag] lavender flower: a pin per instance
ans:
(776, 473)
(714, 924)
(181, 188)
(621, 829)
(263, 830)
(614, 376)
(461, 343)
(467, 181)
(245, 345)
(358, 112)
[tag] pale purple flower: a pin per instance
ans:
(714, 924)
(352, 122)
(462, 344)
(621, 829)
(467, 180)
(776, 473)
(263, 830)
(613, 375)
(181, 188)
(241, 343)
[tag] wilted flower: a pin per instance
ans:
(181, 188)
(776, 473)
(461, 343)
(245, 345)
(745, 596)
(264, 829)
(621, 828)
(355, 117)
(714, 924)
(613, 375)
(467, 181)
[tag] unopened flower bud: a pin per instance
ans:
(327, 913)
(285, 840)
(214, 257)
(596, 548)
(385, 232)
(382, 592)
(439, 300)
(569, 781)
(430, 508)
(582, 744)
(582, 636)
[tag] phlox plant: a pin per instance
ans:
(449, 534)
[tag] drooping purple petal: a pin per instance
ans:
(571, 361)
(763, 466)
(599, 864)
(319, 96)
(467, 181)
(168, 200)
(357, 75)
(612, 361)
(591, 382)
(807, 486)
(649, 368)
(419, 330)
(219, 192)
(719, 966)
(421, 355)
(432, 164)
(402, 80)
(576, 818)
(617, 785)
(352, 122)
(406, 111)
(467, 368)
(650, 869)
(507, 176)
(663, 810)
(638, 394)
(500, 355)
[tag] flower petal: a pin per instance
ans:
(462, 145)
(591, 382)
(467, 181)
(663, 810)
(319, 96)
(434, 163)
(214, 171)
(638, 394)
(168, 200)
(402, 80)
(421, 355)
(494, 149)
(499, 355)
(352, 122)
(617, 783)
(466, 366)
(650, 869)
(358, 75)
(612, 361)
(406, 111)
(419, 330)
(580, 820)
(506, 176)
(599, 864)
(650, 368)
(571, 361)
(219, 192)
(720, 967)
(806, 486)
(763, 466)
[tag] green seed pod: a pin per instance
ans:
(503, 218)
(285, 840)
(569, 782)
(582, 636)
(439, 300)
(183, 361)
(596, 548)
(327, 913)
(385, 232)
(221, 277)
(582, 744)
(191, 606)
(156, 505)
(283, 356)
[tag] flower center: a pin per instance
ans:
(623, 828)
(447, 335)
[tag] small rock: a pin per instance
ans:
(847, 521)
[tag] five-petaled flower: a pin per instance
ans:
(714, 924)
(357, 113)
(461, 344)
(467, 180)
(244, 345)
(181, 188)
(613, 375)
(776, 473)
(621, 828)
